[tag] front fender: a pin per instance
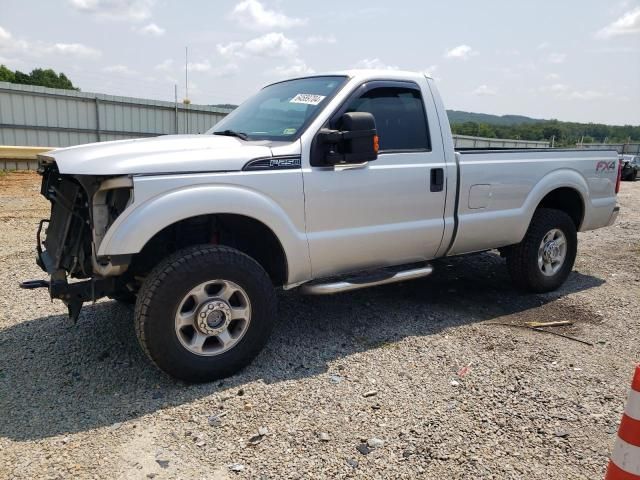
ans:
(140, 222)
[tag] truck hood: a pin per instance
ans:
(165, 154)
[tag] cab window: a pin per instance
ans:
(400, 117)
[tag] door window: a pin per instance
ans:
(400, 117)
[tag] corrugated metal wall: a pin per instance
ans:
(39, 116)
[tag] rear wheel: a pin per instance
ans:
(205, 312)
(545, 257)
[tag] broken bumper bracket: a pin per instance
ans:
(72, 294)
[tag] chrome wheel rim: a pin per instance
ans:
(213, 317)
(552, 252)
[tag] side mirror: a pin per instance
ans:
(355, 142)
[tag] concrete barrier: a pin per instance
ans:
(20, 158)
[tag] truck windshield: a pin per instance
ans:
(280, 111)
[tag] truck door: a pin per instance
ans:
(388, 211)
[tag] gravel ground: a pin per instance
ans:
(369, 384)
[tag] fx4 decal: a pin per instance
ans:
(603, 166)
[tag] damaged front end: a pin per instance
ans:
(82, 209)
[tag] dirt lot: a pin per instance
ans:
(81, 400)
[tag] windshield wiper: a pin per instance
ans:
(232, 133)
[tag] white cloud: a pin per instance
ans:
(253, 14)
(552, 76)
(318, 39)
(556, 58)
(271, 45)
(586, 95)
(228, 70)
(557, 88)
(616, 49)
(9, 43)
(485, 90)
(72, 49)
(128, 10)
(462, 52)
(230, 49)
(5, 36)
(374, 64)
(120, 70)
(37, 49)
(152, 29)
(543, 45)
(165, 65)
(297, 68)
(564, 92)
(203, 66)
(627, 24)
(509, 52)
(430, 70)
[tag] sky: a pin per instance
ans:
(574, 60)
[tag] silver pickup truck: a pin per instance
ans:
(325, 183)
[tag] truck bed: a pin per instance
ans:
(499, 189)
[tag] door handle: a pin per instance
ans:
(437, 179)
(349, 166)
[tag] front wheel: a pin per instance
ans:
(205, 312)
(545, 257)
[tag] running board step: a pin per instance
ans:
(364, 280)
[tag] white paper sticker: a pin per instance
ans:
(307, 98)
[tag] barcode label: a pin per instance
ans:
(307, 98)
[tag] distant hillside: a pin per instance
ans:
(527, 128)
(457, 116)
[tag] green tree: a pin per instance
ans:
(42, 77)
(6, 75)
(485, 130)
(21, 78)
(49, 78)
(552, 131)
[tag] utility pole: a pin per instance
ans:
(186, 89)
(175, 100)
(553, 140)
(186, 73)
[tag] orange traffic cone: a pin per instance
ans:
(625, 459)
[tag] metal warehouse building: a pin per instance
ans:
(39, 116)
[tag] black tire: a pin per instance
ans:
(163, 291)
(634, 176)
(522, 259)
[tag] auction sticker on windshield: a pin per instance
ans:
(307, 98)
